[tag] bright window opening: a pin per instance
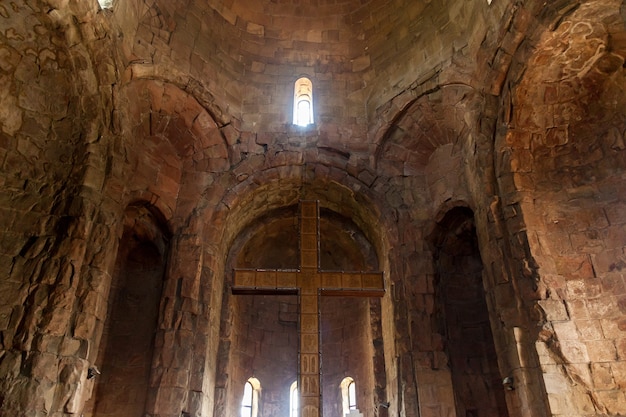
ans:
(303, 102)
(250, 400)
(105, 4)
(348, 395)
(293, 400)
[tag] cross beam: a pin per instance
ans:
(309, 283)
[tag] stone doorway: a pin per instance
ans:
(126, 351)
(463, 318)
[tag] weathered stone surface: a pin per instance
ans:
(474, 150)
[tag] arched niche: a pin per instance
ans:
(127, 346)
(259, 333)
(462, 317)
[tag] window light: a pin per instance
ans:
(348, 395)
(303, 102)
(250, 400)
(293, 400)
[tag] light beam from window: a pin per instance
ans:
(348, 395)
(293, 400)
(250, 400)
(105, 4)
(303, 102)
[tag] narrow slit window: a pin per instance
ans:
(293, 400)
(352, 396)
(348, 395)
(250, 400)
(303, 102)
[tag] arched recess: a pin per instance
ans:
(563, 163)
(271, 189)
(259, 332)
(462, 317)
(406, 145)
(127, 345)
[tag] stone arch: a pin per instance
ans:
(461, 316)
(280, 186)
(161, 108)
(271, 241)
(422, 125)
(176, 146)
(276, 188)
(125, 352)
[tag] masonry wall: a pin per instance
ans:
(523, 124)
(566, 173)
(53, 96)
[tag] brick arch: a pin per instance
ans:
(159, 207)
(173, 138)
(281, 186)
(567, 127)
(272, 241)
(422, 126)
(161, 108)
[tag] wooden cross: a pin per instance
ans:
(309, 283)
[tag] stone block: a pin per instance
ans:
(618, 369)
(602, 376)
(554, 310)
(583, 288)
(85, 326)
(574, 351)
(555, 383)
(601, 350)
(601, 308)
(614, 283)
(565, 330)
(614, 401)
(578, 309)
(614, 328)
(589, 329)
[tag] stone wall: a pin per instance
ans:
(514, 111)
(122, 369)
(51, 115)
(565, 152)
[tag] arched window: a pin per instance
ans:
(303, 102)
(348, 395)
(293, 400)
(250, 400)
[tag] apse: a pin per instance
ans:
(259, 337)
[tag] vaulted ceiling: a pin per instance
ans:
(359, 53)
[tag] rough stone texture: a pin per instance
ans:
(171, 119)
(127, 343)
(461, 317)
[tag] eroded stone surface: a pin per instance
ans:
(180, 111)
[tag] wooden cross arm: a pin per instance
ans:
(272, 281)
(265, 281)
(357, 284)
